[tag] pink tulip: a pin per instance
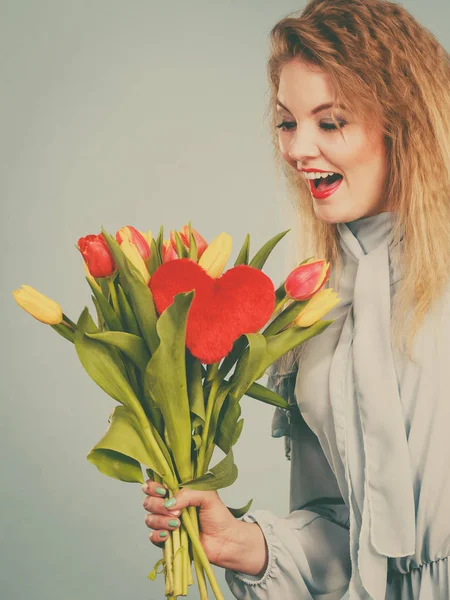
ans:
(202, 244)
(168, 252)
(307, 279)
(135, 237)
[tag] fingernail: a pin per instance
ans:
(162, 533)
(174, 522)
(175, 513)
(145, 488)
(170, 502)
(161, 491)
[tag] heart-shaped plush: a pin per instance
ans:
(240, 301)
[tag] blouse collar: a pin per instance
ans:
(361, 236)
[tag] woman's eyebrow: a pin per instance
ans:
(314, 110)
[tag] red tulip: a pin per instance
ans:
(134, 236)
(307, 279)
(168, 251)
(97, 255)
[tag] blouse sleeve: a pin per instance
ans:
(309, 555)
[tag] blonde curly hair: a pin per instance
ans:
(389, 69)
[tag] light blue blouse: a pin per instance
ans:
(369, 447)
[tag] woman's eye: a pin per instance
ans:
(286, 124)
(332, 126)
(289, 125)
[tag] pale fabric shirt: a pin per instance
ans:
(369, 448)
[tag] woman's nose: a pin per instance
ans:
(303, 146)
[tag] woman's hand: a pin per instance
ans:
(224, 538)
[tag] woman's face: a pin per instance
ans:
(310, 140)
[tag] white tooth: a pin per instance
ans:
(317, 175)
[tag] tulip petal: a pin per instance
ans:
(41, 307)
(216, 255)
(132, 253)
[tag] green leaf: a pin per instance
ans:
(108, 314)
(240, 512)
(103, 283)
(181, 248)
(280, 293)
(260, 354)
(285, 317)
(165, 380)
(193, 250)
(214, 427)
(131, 345)
(220, 476)
(279, 344)
(137, 292)
(263, 253)
(249, 365)
(103, 364)
(239, 346)
(64, 331)
(100, 319)
(116, 465)
(195, 389)
(159, 240)
(197, 439)
(228, 429)
(126, 314)
(155, 258)
(123, 447)
(152, 575)
(243, 256)
(266, 395)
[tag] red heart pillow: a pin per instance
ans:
(240, 301)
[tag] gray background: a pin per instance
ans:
(116, 113)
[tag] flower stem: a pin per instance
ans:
(281, 303)
(209, 409)
(167, 552)
(68, 323)
(198, 567)
(177, 564)
(186, 561)
(201, 554)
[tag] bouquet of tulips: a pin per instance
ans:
(177, 343)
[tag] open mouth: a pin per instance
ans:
(325, 182)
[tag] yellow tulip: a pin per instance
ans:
(148, 237)
(38, 306)
(216, 255)
(318, 306)
(132, 253)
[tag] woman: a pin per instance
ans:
(361, 90)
